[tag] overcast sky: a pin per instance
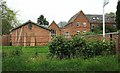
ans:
(57, 10)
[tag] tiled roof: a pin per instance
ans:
(94, 18)
(73, 18)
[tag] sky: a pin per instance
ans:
(57, 10)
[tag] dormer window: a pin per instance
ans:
(30, 26)
(78, 24)
(97, 18)
(93, 18)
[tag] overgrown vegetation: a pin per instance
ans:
(108, 29)
(28, 61)
(118, 15)
(8, 18)
(78, 46)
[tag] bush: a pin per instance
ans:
(59, 47)
(78, 46)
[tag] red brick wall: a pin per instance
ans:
(115, 38)
(55, 27)
(35, 36)
(72, 28)
(5, 40)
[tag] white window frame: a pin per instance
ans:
(78, 32)
(84, 24)
(67, 34)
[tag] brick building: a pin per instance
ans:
(81, 22)
(30, 34)
(55, 29)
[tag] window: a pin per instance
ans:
(53, 33)
(94, 18)
(84, 31)
(78, 24)
(67, 34)
(84, 24)
(30, 26)
(78, 32)
(97, 18)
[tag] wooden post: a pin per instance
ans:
(110, 37)
(118, 44)
(118, 47)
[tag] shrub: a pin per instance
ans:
(59, 47)
(78, 46)
(78, 43)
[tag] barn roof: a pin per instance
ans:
(32, 23)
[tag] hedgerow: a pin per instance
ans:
(78, 46)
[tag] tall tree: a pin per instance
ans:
(118, 16)
(42, 21)
(8, 17)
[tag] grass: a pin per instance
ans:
(29, 61)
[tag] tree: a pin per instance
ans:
(8, 17)
(42, 21)
(118, 16)
(111, 15)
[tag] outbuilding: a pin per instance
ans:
(30, 34)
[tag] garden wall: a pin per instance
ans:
(5, 40)
(109, 36)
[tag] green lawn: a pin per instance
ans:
(30, 61)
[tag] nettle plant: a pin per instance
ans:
(79, 46)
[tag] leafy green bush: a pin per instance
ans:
(78, 46)
(59, 47)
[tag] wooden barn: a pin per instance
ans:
(30, 34)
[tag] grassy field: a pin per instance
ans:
(37, 59)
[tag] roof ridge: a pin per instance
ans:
(29, 21)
